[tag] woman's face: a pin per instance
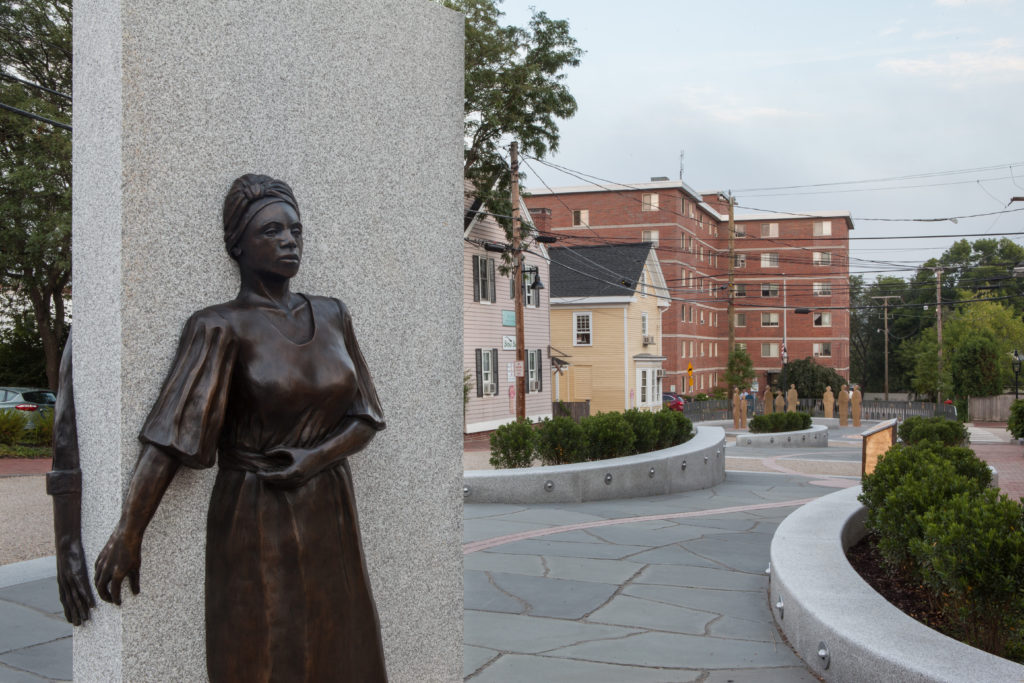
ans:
(272, 243)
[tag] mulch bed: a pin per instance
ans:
(910, 597)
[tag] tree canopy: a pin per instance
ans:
(810, 378)
(739, 372)
(35, 166)
(514, 89)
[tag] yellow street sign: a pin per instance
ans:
(689, 369)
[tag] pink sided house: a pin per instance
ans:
(489, 331)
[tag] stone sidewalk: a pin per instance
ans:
(667, 588)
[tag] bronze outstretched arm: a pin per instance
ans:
(121, 556)
(64, 484)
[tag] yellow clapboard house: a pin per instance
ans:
(606, 307)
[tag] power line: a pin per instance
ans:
(37, 117)
(11, 77)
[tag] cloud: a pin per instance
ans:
(964, 3)
(960, 67)
(739, 113)
(935, 34)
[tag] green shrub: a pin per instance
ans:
(561, 441)
(683, 427)
(12, 426)
(779, 422)
(512, 444)
(1016, 423)
(971, 555)
(665, 426)
(916, 429)
(608, 436)
(907, 482)
(702, 397)
(645, 432)
(41, 432)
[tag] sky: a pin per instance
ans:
(799, 93)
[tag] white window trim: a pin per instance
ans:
(822, 289)
(826, 319)
(650, 236)
(590, 325)
(772, 318)
(768, 257)
(580, 217)
(649, 201)
(772, 287)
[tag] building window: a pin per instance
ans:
(691, 314)
(643, 324)
(683, 352)
(650, 236)
(486, 372)
(769, 230)
(769, 289)
(821, 228)
(741, 290)
(581, 323)
(534, 361)
(769, 320)
(702, 316)
(740, 260)
(821, 258)
(741, 230)
(649, 202)
(770, 350)
(769, 260)
(692, 345)
(742, 346)
(741, 320)
(702, 349)
(483, 279)
(823, 319)
(822, 288)
(702, 254)
(823, 349)
(581, 217)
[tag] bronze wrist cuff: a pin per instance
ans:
(62, 482)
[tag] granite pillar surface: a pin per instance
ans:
(358, 105)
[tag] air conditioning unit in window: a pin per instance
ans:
(648, 339)
(534, 385)
(490, 389)
(659, 374)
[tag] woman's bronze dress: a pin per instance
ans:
(287, 592)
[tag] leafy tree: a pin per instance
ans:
(514, 89)
(739, 372)
(35, 167)
(810, 378)
(975, 368)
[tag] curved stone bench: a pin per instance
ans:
(697, 464)
(840, 626)
(815, 437)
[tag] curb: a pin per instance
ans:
(815, 437)
(697, 464)
(844, 630)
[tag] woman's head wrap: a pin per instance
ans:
(247, 196)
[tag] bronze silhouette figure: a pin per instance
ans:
(272, 387)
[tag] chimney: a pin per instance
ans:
(541, 219)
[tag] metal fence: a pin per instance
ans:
(699, 411)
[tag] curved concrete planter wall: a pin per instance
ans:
(815, 437)
(697, 464)
(840, 626)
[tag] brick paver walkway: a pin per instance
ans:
(13, 467)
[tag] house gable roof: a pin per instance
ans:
(606, 270)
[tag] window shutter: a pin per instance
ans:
(490, 268)
(479, 368)
(512, 286)
(526, 371)
(494, 367)
(476, 292)
(540, 370)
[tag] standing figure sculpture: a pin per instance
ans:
(844, 406)
(792, 399)
(780, 402)
(855, 402)
(736, 408)
(769, 399)
(829, 401)
(272, 388)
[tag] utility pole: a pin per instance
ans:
(938, 313)
(885, 316)
(518, 278)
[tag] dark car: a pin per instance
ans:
(31, 401)
(673, 401)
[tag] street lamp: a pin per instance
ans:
(1016, 373)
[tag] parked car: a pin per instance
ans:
(673, 401)
(32, 401)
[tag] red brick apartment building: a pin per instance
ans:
(790, 274)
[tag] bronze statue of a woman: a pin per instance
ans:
(271, 387)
